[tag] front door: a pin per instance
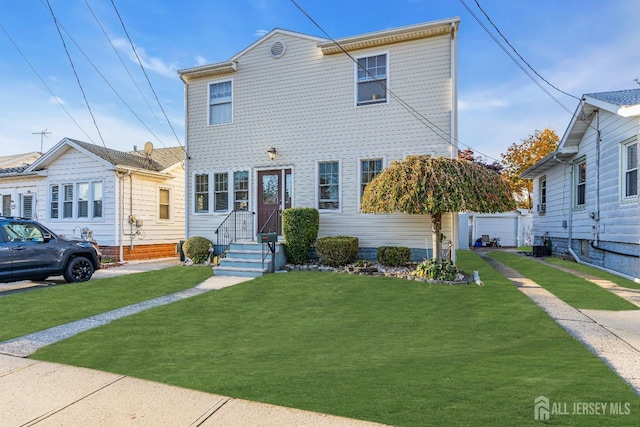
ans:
(274, 195)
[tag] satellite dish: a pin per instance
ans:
(148, 148)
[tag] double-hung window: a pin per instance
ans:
(329, 185)
(67, 203)
(369, 169)
(54, 203)
(241, 190)
(371, 80)
(542, 193)
(580, 173)
(202, 192)
(220, 103)
(221, 192)
(97, 199)
(82, 200)
(630, 171)
(164, 203)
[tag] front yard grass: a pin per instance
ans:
(381, 349)
(35, 310)
(574, 290)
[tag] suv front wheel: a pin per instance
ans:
(79, 269)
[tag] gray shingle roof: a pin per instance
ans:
(619, 97)
(12, 171)
(159, 160)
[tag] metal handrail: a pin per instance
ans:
(238, 225)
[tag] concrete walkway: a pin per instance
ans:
(614, 336)
(36, 393)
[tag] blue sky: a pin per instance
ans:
(579, 46)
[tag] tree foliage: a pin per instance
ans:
(468, 154)
(520, 157)
(434, 186)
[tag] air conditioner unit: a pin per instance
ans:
(542, 207)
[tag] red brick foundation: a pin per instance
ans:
(140, 252)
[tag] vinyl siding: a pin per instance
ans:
(304, 105)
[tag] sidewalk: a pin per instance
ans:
(36, 393)
(613, 336)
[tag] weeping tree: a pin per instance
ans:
(434, 186)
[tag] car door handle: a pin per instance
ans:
(18, 248)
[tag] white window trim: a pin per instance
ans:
(233, 189)
(576, 177)
(355, 79)
(623, 169)
(171, 213)
(209, 101)
(359, 168)
(542, 206)
(317, 186)
(75, 201)
(209, 192)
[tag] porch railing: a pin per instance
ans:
(238, 225)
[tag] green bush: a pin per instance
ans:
(197, 249)
(393, 256)
(299, 229)
(445, 271)
(337, 250)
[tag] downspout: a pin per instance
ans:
(454, 129)
(121, 215)
(186, 158)
(597, 209)
(130, 210)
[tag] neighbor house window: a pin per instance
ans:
(221, 192)
(26, 205)
(67, 204)
(630, 170)
(54, 203)
(581, 184)
(542, 194)
(371, 79)
(220, 103)
(369, 169)
(97, 199)
(83, 200)
(241, 191)
(202, 192)
(164, 203)
(328, 178)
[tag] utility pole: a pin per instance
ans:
(43, 134)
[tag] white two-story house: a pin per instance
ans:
(300, 121)
(585, 193)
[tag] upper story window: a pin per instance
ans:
(371, 80)
(329, 185)
(201, 183)
(542, 195)
(580, 173)
(369, 169)
(630, 171)
(220, 103)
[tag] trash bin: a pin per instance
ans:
(180, 251)
(542, 250)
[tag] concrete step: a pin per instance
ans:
(222, 270)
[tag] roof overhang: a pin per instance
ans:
(208, 70)
(396, 35)
(621, 110)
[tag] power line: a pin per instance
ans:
(45, 84)
(520, 56)
(64, 44)
(513, 58)
(439, 132)
(145, 73)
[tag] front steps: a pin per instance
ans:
(244, 259)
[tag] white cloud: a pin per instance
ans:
(201, 60)
(157, 65)
(261, 33)
(56, 100)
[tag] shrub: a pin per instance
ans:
(337, 250)
(197, 248)
(393, 256)
(445, 271)
(299, 229)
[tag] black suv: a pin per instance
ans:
(30, 251)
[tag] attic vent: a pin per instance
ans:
(277, 49)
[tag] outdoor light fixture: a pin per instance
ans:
(272, 152)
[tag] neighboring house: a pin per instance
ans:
(294, 121)
(586, 192)
(513, 228)
(131, 203)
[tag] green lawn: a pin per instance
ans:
(31, 311)
(381, 349)
(620, 281)
(574, 290)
